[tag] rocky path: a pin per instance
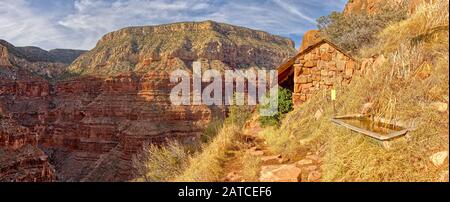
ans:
(274, 167)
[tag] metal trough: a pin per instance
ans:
(375, 129)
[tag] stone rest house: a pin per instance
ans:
(320, 66)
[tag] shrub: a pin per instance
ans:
(211, 130)
(160, 163)
(353, 32)
(285, 105)
(237, 115)
(251, 166)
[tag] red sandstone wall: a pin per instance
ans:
(321, 68)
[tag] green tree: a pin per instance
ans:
(285, 105)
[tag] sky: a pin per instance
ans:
(79, 24)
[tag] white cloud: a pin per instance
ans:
(293, 10)
(82, 26)
(19, 24)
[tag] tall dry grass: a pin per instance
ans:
(208, 166)
(251, 167)
(160, 163)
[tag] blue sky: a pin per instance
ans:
(79, 24)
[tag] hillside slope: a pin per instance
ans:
(46, 64)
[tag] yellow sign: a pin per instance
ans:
(333, 95)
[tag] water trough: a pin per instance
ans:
(377, 129)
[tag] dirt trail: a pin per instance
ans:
(274, 167)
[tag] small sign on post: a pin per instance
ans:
(333, 99)
(333, 95)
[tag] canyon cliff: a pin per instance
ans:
(24, 105)
(88, 122)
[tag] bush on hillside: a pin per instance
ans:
(161, 163)
(208, 165)
(212, 130)
(285, 105)
(356, 31)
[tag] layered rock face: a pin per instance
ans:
(310, 38)
(117, 98)
(20, 158)
(175, 46)
(48, 64)
(98, 124)
(24, 106)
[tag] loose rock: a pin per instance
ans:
(276, 159)
(314, 176)
(280, 173)
(304, 162)
(367, 108)
(318, 114)
(311, 168)
(313, 157)
(439, 158)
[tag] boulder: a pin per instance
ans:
(304, 162)
(310, 168)
(439, 158)
(256, 153)
(233, 177)
(280, 173)
(310, 38)
(314, 176)
(367, 108)
(313, 157)
(318, 114)
(276, 159)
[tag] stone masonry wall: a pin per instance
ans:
(321, 68)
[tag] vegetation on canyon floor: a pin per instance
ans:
(407, 85)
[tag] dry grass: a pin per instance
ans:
(176, 162)
(399, 91)
(160, 163)
(251, 166)
(207, 166)
(212, 130)
(429, 23)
